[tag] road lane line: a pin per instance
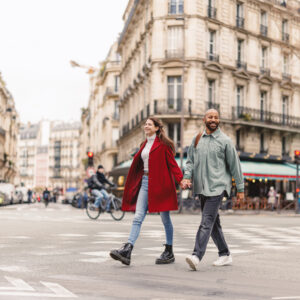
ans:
(18, 285)
(288, 297)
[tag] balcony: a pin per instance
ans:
(173, 53)
(211, 12)
(171, 107)
(240, 22)
(212, 56)
(241, 65)
(285, 37)
(265, 71)
(248, 114)
(286, 77)
(263, 30)
(212, 105)
(111, 91)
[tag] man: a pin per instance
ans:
(212, 162)
(46, 196)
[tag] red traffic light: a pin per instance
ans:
(297, 190)
(297, 152)
(90, 154)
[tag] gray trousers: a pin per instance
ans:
(210, 226)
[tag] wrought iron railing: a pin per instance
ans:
(265, 71)
(240, 22)
(212, 56)
(263, 30)
(211, 12)
(241, 65)
(171, 107)
(210, 105)
(286, 76)
(251, 114)
(285, 37)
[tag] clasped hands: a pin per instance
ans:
(185, 184)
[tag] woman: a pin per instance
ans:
(150, 186)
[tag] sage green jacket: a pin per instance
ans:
(212, 164)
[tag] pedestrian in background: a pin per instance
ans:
(150, 186)
(46, 197)
(272, 198)
(212, 162)
(29, 195)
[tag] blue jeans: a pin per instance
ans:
(140, 214)
(99, 196)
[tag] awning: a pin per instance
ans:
(270, 171)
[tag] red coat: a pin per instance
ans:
(161, 186)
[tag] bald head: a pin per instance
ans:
(211, 110)
(211, 120)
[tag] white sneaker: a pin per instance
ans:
(223, 261)
(193, 261)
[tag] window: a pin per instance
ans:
(211, 91)
(116, 110)
(175, 7)
(263, 96)
(174, 133)
(264, 57)
(174, 92)
(117, 83)
(285, 64)
(285, 101)
(175, 41)
(240, 15)
(240, 50)
(212, 46)
(263, 18)
(239, 96)
(211, 9)
(285, 35)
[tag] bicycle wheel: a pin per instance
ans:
(91, 211)
(116, 209)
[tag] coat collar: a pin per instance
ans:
(155, 145)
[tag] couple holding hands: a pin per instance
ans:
(211, 163)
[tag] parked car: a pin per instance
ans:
(9, 190)
(4, 200)
(21, 192)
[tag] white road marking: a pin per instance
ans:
(102, 256)
(71, 235)
(21, 288)
(288, 297)
(13, 269)
(18, 285)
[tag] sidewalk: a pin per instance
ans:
(283, 213)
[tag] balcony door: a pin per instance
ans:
(285, 100)
(175, 41)
(211, 44)
(211, 93)
(174, 92)
(264, 58)
(174, 133)
(239, 99)
(263, 100)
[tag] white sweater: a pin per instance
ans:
(146, 151)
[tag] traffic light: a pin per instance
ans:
(297, 156)
(90, 159)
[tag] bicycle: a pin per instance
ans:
(115, 207)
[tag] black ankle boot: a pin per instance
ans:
(123, 254)
(167, 256)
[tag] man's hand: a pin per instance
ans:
(240, 196)
(185, 183)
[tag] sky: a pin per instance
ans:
(38, 38)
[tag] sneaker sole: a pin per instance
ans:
(223, 265)
(120, 258)
(191, 264)
(164, 262)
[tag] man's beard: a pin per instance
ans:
(211, 128)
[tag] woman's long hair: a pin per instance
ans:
(161, 134)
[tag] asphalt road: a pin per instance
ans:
(59, 253)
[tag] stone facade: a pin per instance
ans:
(100, 120)
(64, 155)
(240, 57)
(8, 135)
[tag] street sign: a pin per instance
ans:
(90, 171)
